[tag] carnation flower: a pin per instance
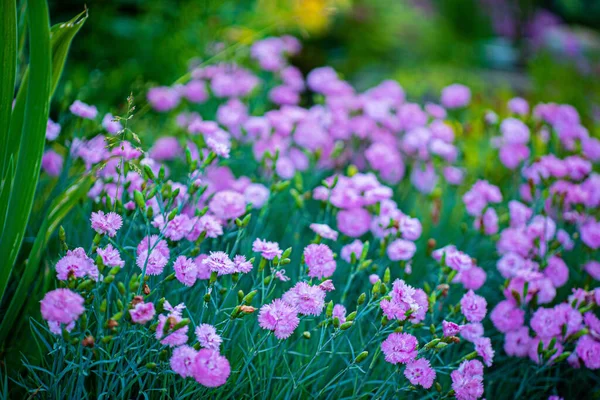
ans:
(339, 312)
(516, 343)
(52, 163)
(218, 261)
(307, 299)
(208, 337)
(106, 224)
(182, 360)
(142, 312)
(353, 222)
(356, 248)
(467, 380)
(401, 249)
(210, 369)
(241, 264)
(450, 328)
(324, 231)
(167, 336)
(456, 96)
(588, 350)
(256, 194)
(52, 130)
(473, 307)
(399, 348)
(77, 264)
(219, 148)
(83, 110)
(111, 126)
(279, 317)
(419, 372)
(186, 270)
(507, 317)
(320, 261)
(110, 256)
(484, 349)
(62, 306)
(268, 250)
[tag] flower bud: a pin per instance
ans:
(346, 325)
(306, 335)
(361, 357)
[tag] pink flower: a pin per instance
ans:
(256, 194)
(219, 262)
(169, 337)
(165, 148)
(110, 256)
(203, 269)
(77, 264)
(356, 248)
(62, 306)
(593, 268)
(588, 351)
(450, 328)
(83, 110)
(208, 337)
(472, 278)
(177, 228)
(186, 270)
(484, 349)
(456, 96)
(467, 380)
(557, 271)
(241, 264)
(518, 105)
(111, 125)
(163, 98)
(142, 313)
(210, 369)
(52, 163)
(339, 312)
(471, 332)
(52, 130)
(107, 224)
(419, 372)
(182, 360)
(399, 348)
(516, 343)
(227, 205)
(279, 317)
(324, 231)
(195, 91)
(268, 250)
(473, 307)
(320, 261)
(547, 323)
(307, 299)
(353, 222)
(507, 317)
(220, 148)
(590, 233)
(401, 249)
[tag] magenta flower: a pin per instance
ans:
(171, 338)
(473, 307)
(208, 337)
(182, 360)
(256, 194)
(467, 380)
(111, 126)
(142, 312)
(339, 312)
(588, 350)
(279, 317)
(107, 224)
(320, 261)
(450, 328)
(401, 249)
(419, 372)
(456, 96)
(110, 256)
(62, 306)
(227, 205)
(77, 264)
(52, 130)
(324, 231)
(52, 163)
(507, 317)
(484, 349)
(241, 264)
(163, 98)
(219, 262)
(83, 110)
(210, 369)
(268, 250)
(517, 342)
(307, 299)
(399, 348)
(186, 270)
(356, 248)
(590, 233)
(353, 222)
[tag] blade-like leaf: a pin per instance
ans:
(57, 211)
(32, 133)
(8, 68)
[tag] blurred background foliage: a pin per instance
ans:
(542, 49)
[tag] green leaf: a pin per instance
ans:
(32, 137)
(8, 68)
(58, 210)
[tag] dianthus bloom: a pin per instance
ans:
(516, 343)
(467, 380)
(227, 205)
(106, 224)
(241, 264)
(588, 350)
(590, 233)
(256, 194)
(339, 312)
(419, 372)
(77, 264)
(320, 261)
(219, 261)
(401, 249)
(456, 96)
(268, 250)
(142, 312)
(307, 299)
(402, 301)
(473, 307)
(110, 256)
(354, 222)
(484, 349)
(165, 333)
(450, 328)
(83, 110)
(324, 231)
(182, 360)
(279, 317)
(399, 348)
(210, 369)
(153, 255)
(208, 337)
(186, 270)
(62, 306)
(507, 317)
(356, 248)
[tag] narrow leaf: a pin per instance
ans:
(8, 68)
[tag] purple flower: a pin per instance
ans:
(110, 256)
(324, 231)
(467, 380)
(227, 205)
(516, 343)
(163, 98)
(356, 248)
(320, 261)
(219, 261)
(52, 163)
(419, 372)
(307, 299)
(166, 334)
(106, 224)
(279, 317)
(450, 328)
(186, 270)
(473, 307)
(208, 337)
(507, 317)
(484, 349)
(456, 96)
(401, 249)
(399, 348)
(353, 222)
(268, 250)
(83, 110)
